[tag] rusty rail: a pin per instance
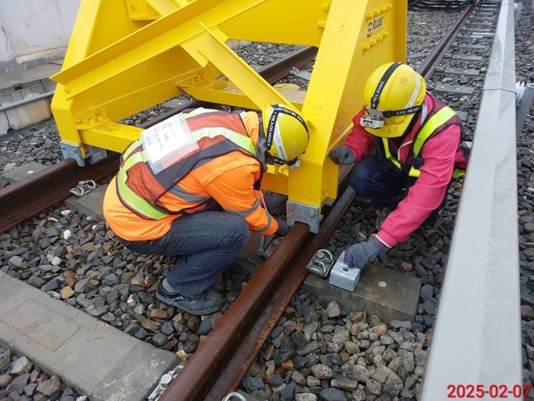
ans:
(44, 188)
(426, 69)
(220, 362)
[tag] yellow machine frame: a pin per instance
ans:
(130, 55)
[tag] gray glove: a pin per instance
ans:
(342, 155)
(358, 255)
(283, 228)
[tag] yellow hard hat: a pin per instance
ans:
(286, 133)
(393, 93)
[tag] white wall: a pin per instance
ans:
(34, 29)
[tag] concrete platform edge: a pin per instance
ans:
(62, 340)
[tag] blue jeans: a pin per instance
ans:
(383, 183)
(208, 241)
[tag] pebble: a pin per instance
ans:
(21, 380)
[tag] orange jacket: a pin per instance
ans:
(228, 179)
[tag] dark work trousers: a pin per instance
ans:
(208, 242)
(382, 182)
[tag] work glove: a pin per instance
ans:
(342, 155)
(283, 228)
(358, 255)
(275, 203)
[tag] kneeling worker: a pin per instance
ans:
(417, 152)
(191, 188)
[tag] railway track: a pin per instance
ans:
(224, 356)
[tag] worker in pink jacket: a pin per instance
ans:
(417, 152)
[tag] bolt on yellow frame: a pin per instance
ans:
(129, 55)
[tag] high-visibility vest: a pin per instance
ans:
(434, 124)
(140, 189)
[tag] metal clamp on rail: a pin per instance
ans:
(234, 395)
(164, 382)
(343, 276)
(321, 263)
(83, 188)
(266, 246)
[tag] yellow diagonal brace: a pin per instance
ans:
(259, 91)
(155, 39)
(225, 92)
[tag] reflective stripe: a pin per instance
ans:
(134, 201)
(242, 141)
(458, 173)
(390, 156)
(186, 196)
(130, 160)
(134, 154)
(129, 150)
(126, 195)
(267, 226)
(247, 212)
(436, 120)
(440, 118)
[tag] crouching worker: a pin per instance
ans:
(191, 188)
(417, 152)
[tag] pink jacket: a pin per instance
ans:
(441, 155)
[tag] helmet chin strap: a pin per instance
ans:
(265, 157)
(261, 147)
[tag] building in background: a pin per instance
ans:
(34, 35)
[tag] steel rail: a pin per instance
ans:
(294, 274)
(42, 189)
(426, 69)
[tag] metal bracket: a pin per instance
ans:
(83, 188)
(343, 276)
(267, 246)
(164, 382)
(70, 151)
(321, 263)
(94, 154)
(303, 213)
(523, 99)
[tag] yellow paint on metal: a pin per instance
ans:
(127, 56)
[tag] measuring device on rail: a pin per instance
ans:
(339, 273)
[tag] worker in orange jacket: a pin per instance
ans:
(190, 187)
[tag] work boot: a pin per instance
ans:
(208, 302)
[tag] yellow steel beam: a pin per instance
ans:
(117, 136)
(121, 69)
(130, 55)
(214, 49)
